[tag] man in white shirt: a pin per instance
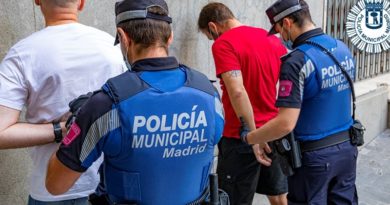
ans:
(43, 73)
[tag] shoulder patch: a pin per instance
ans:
(285, 87)
(73, 133)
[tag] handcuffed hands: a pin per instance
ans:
(260, 150)
(244, 131)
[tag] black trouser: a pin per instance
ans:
(239, 173)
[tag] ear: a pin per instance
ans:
(170, 39)
(81, 5)
(123, 37)
(287, 22)
(212, 25)
(37, 2)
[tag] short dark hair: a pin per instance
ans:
(149, 32)
(214, 12)
(62, 3)
(300, 17)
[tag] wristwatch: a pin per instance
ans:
(57, 132)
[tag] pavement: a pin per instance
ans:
(373, 173)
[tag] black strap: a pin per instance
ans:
(125, 85)
(328, 141)
(329, 53)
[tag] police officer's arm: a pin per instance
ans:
(59, 178)
(290, 95)
(82, 146)
(297, 72)
(276, 128)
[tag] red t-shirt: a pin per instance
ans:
(257, 55)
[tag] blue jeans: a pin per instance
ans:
(79, 201)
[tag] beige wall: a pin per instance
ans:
(20, 18)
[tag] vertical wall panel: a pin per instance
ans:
(368, 65)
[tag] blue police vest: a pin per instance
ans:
(326, 104)
(164, 149)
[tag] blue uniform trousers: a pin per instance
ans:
(327, 177)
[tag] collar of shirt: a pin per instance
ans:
(308, 34)
(155, 64)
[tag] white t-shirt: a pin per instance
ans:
(47, 70)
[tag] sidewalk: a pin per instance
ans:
(373, 173)
(373, 177)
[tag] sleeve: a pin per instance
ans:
(219, 119)
(13, 89)
(224, 57)
(85, 139)
(291, 83)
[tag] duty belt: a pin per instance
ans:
(328, 141)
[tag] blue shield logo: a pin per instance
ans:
(374, 14)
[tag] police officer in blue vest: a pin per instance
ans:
(156, 124)
(315, 104)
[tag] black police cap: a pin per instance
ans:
(127, 10)
(281, 9)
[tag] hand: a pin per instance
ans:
(77, 103)
(64, 129)
(260, 151)
(68, 119)
(244, 131)
(74, 108)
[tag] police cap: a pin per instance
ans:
(127, 10)
(281, 9)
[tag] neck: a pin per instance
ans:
(230, 24)
(299, 31)
(60, 16)
(152, 52)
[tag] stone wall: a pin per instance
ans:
(20, 18)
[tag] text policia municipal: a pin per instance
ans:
(179, 135)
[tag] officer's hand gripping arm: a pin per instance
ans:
(74, 107)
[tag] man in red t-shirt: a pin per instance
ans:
(247, 63)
